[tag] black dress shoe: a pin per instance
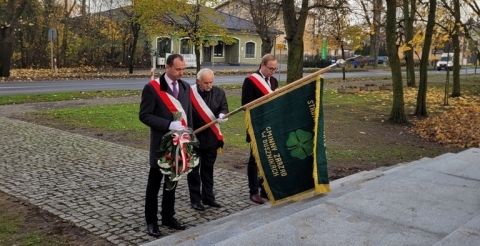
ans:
(173, 223)
(198, 206)
(212, 204)
(152, 230)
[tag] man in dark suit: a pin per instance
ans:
(209, 103)
(255, 86)
(160, 99)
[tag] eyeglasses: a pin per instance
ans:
(273, 69)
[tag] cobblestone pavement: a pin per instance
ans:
(97, 185)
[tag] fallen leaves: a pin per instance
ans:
(85, 72)
(456, 124)
(459, 127)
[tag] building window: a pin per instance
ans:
(250, 50)
(185, 48)
(164, 46)
(218, 49)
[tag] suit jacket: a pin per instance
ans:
(217, 102)
(251, 92)
(155, 114)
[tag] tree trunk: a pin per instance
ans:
(456, 48)
(409, 11)
(267, 45)
(295, 59)
(294, 29)
(397, 115)
(197, 55)
(135, 30)
(421, 109)
(377, 12)
(6, 50)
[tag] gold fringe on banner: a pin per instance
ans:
(319, 188)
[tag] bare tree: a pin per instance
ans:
(265, 16)
(294, 19)
(372, 11)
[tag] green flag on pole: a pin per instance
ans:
(288, 142)
(324, 48)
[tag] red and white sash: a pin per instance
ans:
(260, 82)
(204, 111)
(171, 102)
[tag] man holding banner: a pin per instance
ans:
(255, 86)
(209, 103)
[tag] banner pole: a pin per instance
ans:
(306, 79)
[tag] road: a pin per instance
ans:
(39, 87)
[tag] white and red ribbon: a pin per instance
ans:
(180, 140)
(260, 82)
(204, 111)
(171, 102)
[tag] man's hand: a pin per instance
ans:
(220, 119)
(176, 126)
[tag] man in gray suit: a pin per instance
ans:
(160, 100)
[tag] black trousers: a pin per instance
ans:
(151, 198)
(200, 179)
(254, 182)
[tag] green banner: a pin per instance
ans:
(324, 48)
(289, 142)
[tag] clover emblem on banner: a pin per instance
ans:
(300, 144)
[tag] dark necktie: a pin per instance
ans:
(267, 79)
(174, 89)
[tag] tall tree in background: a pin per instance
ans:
(421, 108)
(457, 32)
(135, 27)
(10, 12)
(264, 17)
(472, 26)
(294, 19)
(180, 18)
(397, 113)
(409, 10)
(372, 11)
(377, 16)
(67, 12)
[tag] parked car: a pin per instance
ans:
(445, 62)
(382, 59)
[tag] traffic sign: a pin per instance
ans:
(52, 34)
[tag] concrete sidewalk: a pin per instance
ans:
(100, 186)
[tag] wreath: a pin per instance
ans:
(177, 156)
